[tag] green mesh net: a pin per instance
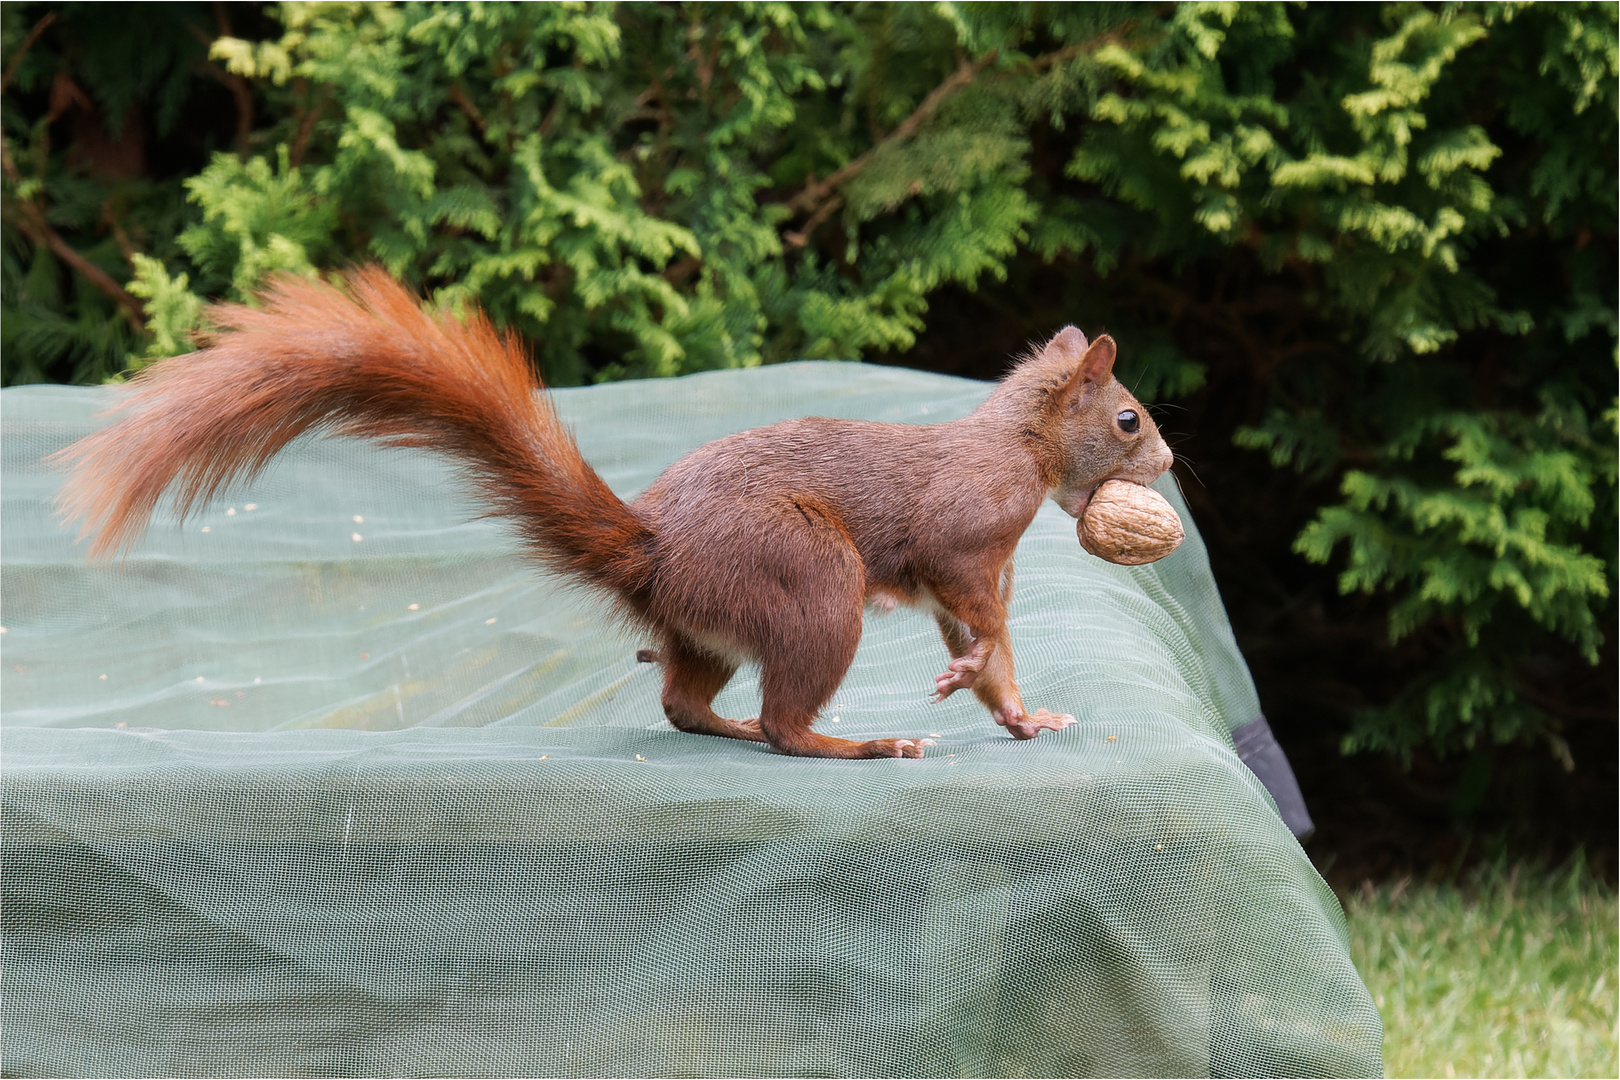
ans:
(333, 781)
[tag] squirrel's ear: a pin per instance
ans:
(1094, 369)
(1068, 342)
(1098, 363)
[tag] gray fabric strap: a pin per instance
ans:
(1257, 748)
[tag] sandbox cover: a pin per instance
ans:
(333, 781)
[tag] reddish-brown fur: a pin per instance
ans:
(761, 546)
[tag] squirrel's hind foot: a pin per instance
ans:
(812, 744)
(1028, 725)
(900, 748)
(711, 724)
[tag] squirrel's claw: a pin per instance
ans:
(908, 748)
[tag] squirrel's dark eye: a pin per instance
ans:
(1128, 421)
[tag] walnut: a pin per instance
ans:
(1129, 524)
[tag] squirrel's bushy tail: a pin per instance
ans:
(369, 363)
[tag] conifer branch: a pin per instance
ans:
(816, 192)
(31, 220)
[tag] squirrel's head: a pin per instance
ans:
(1092, 428)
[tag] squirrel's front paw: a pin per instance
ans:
(1022, 725)
(953, 680)
(960, 674)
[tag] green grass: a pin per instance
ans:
(1507, 974)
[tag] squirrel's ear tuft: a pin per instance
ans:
(1095, 367)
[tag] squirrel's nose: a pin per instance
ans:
(1162, 459)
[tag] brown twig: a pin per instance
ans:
(31, 220)
(694, 52)
(66, 94)
(547, 122)
(464, 103)
(802, 237)
(238, 87)
(125, 245)
(22, 50)
(236, 84)
(1069, 52)
(306, 126)
(33, 224)
(680, 271)
(666, 121)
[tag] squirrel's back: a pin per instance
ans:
(905, 495)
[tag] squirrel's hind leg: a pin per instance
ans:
(797, 683)
(812, 593)
(692, 678)
(788, 591)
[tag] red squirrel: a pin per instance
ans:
(762, 546)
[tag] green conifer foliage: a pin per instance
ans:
(649, 190)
